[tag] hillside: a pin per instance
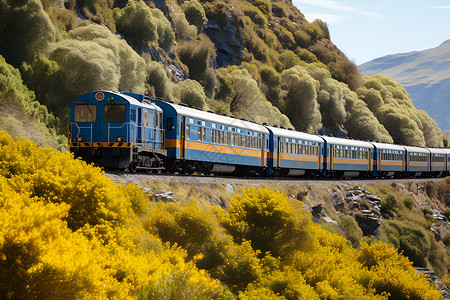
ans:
(260, 60)
(69, 232)
(424, 74)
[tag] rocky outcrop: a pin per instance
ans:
(228, 41)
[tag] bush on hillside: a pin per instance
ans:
(26, 30)
(157, 79)
(195, 14)
(112, 63)
(22, 115)
(414, 242)
(136, 22)
(190, 92)
(183, 30)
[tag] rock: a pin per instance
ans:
(230, 189)
(340, 207)
(147, 190)
(373, 198)
(369, 225)
(329, 220)
(439, 216)
(165, 197)
(316, 210)
(437, 235)
(227, 40)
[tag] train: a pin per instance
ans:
(122, 130)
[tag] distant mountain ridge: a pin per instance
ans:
(424, 74)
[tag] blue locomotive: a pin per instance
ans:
(117, 131)
(132, 131)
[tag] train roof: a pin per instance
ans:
(439, 150)
(416, 149)
(281, 132)
(212, 117)
(346, 142)
(108, 95)
(385, 146)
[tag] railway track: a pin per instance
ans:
(125, 177)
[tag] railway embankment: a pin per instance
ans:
(411, 214)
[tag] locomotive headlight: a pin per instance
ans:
(119, 139)
(80, 139)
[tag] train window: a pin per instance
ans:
(85, 113)
(145, 118)
(169, 124)
(188, 132)
(114, 113)
(201, 133)
(133, 115)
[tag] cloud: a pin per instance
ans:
(336, 6)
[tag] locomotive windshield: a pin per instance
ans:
(115, 113)
(85, 113)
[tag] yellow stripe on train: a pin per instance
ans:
(101, 145)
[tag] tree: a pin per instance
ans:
(136, 22)
(157, 78)
(94, 58)
(48, 81)
(190, 92)
(240, 90)
(183, 30)
(195, 14)
(301, 99)
(26, 30)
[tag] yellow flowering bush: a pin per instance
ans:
(68, 232)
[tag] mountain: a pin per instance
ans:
(424, 74)
(255, 59)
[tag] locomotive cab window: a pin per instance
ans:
(114, 113)
(85, 113)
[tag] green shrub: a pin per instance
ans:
(430, 188)
(416, 243)
(302, 38)
(26, 30)
(183, 30)
(196, 55)
(352, 231)
(195, 14)
(264, 6)
(279, 10)
(255, 14)
(166, 35)
(136, 22)
(408, 202)
(289, 59)
(190, 92)
(48, 81)
(157, 78)
(389, 203)
(428, 214)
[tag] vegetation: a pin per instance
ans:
(69, 232)
(295, 76)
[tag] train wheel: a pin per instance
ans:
(132, 167)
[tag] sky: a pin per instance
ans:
(368, 29)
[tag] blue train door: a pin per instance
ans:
(139, 127)
(262, 150)
(278, 151)
(182, 137)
